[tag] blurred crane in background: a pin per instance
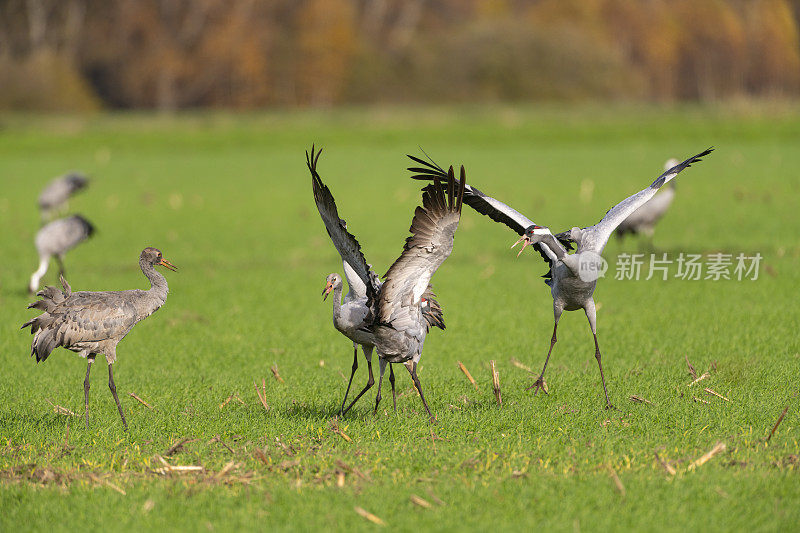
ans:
(56, 239)
(55, 196)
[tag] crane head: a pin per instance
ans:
(331, 282)
(530, 236)
(154, 257)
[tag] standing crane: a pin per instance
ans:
(93, 323)
(572, 278)
(55, 195)
(399, 324)
(644, 219)
(352, 316)
(56, 239)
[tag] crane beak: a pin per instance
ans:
(525, 242)
(327, 291)
(168, 265)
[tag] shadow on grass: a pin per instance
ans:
(364, 410)
(44, 422)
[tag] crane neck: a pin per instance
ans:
(554, 245)
(158, 283)
(337, 301)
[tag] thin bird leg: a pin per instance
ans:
(412, 369)
(591, 315)
(86, 386)
(382, 364)
(113, 389)
(602, 378)
(648, 232)
(391, 380)
(60, 264)
(40, 272)
(370, 383)
(539, 383)
(353, 373)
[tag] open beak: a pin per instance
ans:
(167, 264)
(327, 291)
(525, 242)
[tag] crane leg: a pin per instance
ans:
(602, 378)
(36, 277)
(370, 381)
(60, 264)
(352, 373)
(382, 363)
(391, 380)
(412, 369)
(649, 232)
(591, 315)
(539, 383)
(113, 389)
(86, 386)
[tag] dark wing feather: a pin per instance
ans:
(432, 311)
(483, 204)
(431, 242)
(346, 244)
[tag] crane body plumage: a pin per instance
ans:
(93, 323)
(354, 313)
(399, 324)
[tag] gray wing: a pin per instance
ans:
(63, 234)
(80, 317)
(363, 282)
(595, 237)
(432, 229)
(648, 214)
(486, 205)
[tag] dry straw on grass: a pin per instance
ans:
(369, 516)
(466, 373)
(135, 397)
(496, 383)
(718, 447)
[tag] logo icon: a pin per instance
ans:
(591, 266)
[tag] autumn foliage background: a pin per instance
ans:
(177, 54)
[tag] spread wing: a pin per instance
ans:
(363, 281)
(491, 207)
(432, 229)
(597, 236)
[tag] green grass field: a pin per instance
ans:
(227, 198)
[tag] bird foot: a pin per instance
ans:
(433, 421)
(610, 407)
(540, 383)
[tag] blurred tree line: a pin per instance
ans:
(174, 54)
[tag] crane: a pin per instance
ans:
(351, 316)
(54, 240)
(572, 278)
(93, 323)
